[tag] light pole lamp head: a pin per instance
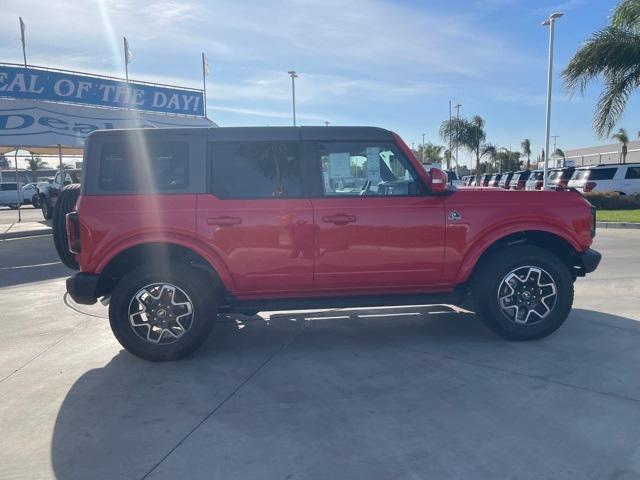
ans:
(552, 17)
(293, 73)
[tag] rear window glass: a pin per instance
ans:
(555, 175)
(602, 173)
(4, 187)
(536, 175)
(256, 170)
(632, 173)
(160, 166)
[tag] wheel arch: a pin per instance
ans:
(566, 249)
(159, 254)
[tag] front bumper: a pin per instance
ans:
(83, 287)
(590, 260)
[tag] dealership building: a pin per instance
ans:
(598, 155)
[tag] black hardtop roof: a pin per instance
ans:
(261, 133)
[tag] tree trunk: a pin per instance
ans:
(624, 154)
(477, 168)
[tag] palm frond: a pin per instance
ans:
(626, 14)
(611, 51)
(613, 100)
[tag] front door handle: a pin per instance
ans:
(224, 221)
(339, 219)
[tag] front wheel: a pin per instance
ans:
(47, 211)
(523, 292)
(162, 314)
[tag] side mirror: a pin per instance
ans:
(438, 183)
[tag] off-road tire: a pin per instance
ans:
(66, 203)
(200, 290)
(489, 276)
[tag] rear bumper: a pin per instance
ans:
(83, 287)
(590, 260)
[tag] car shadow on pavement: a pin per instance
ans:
(361, 393)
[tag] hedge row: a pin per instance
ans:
(614, 201)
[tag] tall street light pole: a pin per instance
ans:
(551, 23)
(293, 75)
(457, 124)
(423, 148)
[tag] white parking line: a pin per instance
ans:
(31, 266)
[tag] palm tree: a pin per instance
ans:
(526, 149)
(36, 163)
(469, 134)
(430, 153)
(623, 138)
(560, 153)
(612, 53)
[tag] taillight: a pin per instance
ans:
(73, 232)
(589, 186)
(539, 185)
(520, 184)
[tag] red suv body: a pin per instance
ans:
(250, 219)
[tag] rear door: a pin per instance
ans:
(378, 230)
(255, 216)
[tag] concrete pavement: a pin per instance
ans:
(419, 392)
(32, 224)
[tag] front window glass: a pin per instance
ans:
(365, 169)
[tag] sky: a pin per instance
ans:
(393, 64)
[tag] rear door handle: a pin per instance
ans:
(224, 221)
(340, 219)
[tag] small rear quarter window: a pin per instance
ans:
(633, 173)
(152, 166)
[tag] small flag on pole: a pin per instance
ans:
(205, 73)
(23, 27)
(205, 65)
(127, 52)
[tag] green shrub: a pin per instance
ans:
(614, 201)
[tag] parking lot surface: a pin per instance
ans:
(28, 213)
(416, 392)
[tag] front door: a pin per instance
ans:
(255, 217)
(378, 230)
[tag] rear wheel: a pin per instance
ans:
(162, 314)
(65, 204)
(523, 292)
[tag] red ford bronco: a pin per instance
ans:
(173, 226)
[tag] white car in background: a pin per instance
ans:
(534, 182)
(620, 178)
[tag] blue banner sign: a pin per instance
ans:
(58, 86)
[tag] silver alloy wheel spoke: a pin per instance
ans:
(525, 292)
(160, 313)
